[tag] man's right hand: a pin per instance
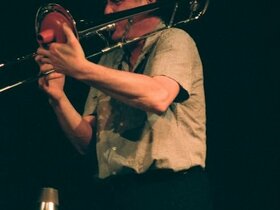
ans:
(53, 83)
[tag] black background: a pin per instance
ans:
(238, 43)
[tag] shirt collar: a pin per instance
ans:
(152, 39)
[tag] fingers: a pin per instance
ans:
(41, 60)
(44, 63)
(42, 56)
(68, 33)
(53, 75)
(43, 52)
(44, 82)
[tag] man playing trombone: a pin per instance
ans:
(144, 115)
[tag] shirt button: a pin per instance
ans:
(114, 148)
(121, 124)
(114, 173)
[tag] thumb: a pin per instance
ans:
(68, 33)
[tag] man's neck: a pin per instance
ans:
(133, 51)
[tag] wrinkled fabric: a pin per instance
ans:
(130, 140)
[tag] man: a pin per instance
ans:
(145, 113)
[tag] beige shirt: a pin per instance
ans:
(129, 140)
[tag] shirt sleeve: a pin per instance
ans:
(176, 56)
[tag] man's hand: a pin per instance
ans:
(67, 58)
(52, 83)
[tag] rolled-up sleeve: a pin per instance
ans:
(176, 56)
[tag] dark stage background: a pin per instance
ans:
(238, 42)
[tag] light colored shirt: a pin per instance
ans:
(130, 140)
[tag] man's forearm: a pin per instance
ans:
(77, 129)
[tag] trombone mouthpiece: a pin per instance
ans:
(46, 36)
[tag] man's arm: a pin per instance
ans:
(78, 129)
(152, 94)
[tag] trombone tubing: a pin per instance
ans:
(109, 23)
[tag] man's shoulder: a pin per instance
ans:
(175, 34)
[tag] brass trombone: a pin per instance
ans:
(49, 19)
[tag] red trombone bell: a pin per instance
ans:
(48, 24)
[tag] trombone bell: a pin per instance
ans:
(48, 24)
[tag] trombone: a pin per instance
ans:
(50, 18)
